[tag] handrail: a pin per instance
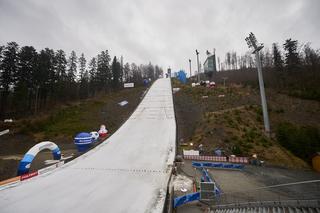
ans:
(273, 186)
(291, 203)
(294, 192)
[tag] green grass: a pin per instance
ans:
(65, 121)
(73, 119)
(309, 94)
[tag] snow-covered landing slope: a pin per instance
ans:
(126, 173)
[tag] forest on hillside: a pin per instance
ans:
(32, 81)
(291, 68)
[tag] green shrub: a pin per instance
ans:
(279, 111)
(236, 150)
(302, 141)
(264, 142)
(310, 93)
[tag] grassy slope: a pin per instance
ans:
(234, 122)
(61, 124)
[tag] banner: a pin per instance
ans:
(128, 85)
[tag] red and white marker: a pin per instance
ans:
(103, 132)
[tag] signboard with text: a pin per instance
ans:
(128, 85)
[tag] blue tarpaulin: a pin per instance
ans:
(181, 75)
(178, 201)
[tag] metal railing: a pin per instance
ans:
(280, 193)
(284, 203)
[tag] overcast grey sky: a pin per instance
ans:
(165, 32)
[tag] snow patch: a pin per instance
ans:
(182, 182)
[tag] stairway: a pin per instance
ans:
(268, 210)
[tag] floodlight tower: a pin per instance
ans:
(198, 65)
(253, 44)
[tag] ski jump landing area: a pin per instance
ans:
(128, 172)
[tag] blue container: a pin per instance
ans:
(83, 141)
(145, 82)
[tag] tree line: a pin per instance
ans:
(31, 81)
(291, 57)
(291, 68)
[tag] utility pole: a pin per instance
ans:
(190, 67)
(253, 44)
(36, 103)
(224, 81)
(198, 65)
(121, 68)
(214, 60)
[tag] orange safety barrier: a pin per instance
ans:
(194, 187)
(10, 180)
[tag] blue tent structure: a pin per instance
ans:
(182, 76)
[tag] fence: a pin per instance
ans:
(16, 180)
(238, 160)
(217, 158)
(205, 158)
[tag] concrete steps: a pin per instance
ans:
(267, 210)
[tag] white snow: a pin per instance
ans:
(128, 172)
(181, 182)
(123, 103)
(4, 132)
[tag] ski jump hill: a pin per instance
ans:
(128, 172)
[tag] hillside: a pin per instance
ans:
(61, 124)
(230, 118)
